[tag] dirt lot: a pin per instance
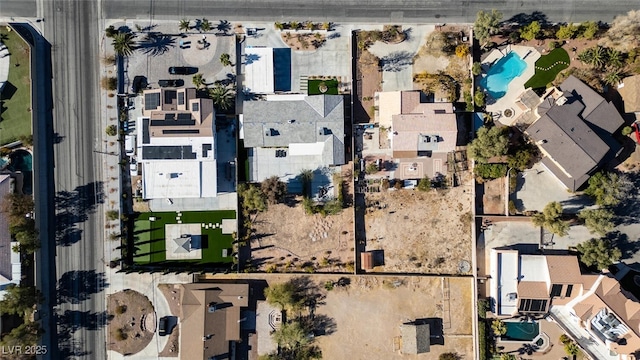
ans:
(421, 232)
(493, 198)
(288, 239)
(133, 324)
(369, 312)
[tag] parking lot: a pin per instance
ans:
(162, 47)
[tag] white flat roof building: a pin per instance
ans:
(259, 75)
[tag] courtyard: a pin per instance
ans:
(203, 237)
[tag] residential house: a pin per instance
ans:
(422, 134)
(177, 145)
(210, 319)
(286, 134)
(10, 268)
(596, 310)
(529, 284)
(574, 132)
(629, 89)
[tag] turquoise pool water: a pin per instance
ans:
(497, 80)
(521, 331)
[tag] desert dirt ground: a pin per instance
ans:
(287, 239)
(493, 198)
(368, 314)
(421, 232)
(133, 324)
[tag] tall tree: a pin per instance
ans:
(284, 295)
(291, 335)
(225, 59)
(222, 97)
(253, 199)
(274, 189)
(20, 300)
(123, 43)
(530, 31)
(608, 189)
(198, 80)
(489, 142)
(598, 221)
(184, 25)
(551, 219)
(205, 25)
(486, 24)
(599, 253)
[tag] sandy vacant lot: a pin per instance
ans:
(421, 232)
(288, 237)
(368, 314)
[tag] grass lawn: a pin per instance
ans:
(149, 236)
(314, 87)
(548, 67)
(15, 100)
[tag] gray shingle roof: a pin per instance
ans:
(415, 338)
(295, 121)
(576, 135)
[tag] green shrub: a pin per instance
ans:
(109, 83)
(328, 285)
(424, 184)
(490, 171)
(627, 130)
(112, 215)
(111, 130)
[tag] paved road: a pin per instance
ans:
(71, 28)
(396, 11)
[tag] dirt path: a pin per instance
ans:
(172, 294)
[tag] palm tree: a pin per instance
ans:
(278, 25)
(309, 25)
(225, 59)
(326, 26)
(123, 43)
(205, 25)
(184, 25)
(222, 97)
(294, 25)
(197, 80)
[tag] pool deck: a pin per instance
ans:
(516, 87)
(550, 332)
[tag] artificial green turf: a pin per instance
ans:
(149, 236)
(543, 77)
(313, 87)
(15, 115)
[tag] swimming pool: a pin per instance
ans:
(521, 331)
(497, 80)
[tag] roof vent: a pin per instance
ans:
(540, 142)
(212, 307)
(291, 121)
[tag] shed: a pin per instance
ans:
(415, 338)
(366, 260)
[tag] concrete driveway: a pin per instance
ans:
(536, 187)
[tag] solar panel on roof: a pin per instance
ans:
(180, 98)
(169, 116)
(151, 101)
(184, 116)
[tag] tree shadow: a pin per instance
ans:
(628, 210)
(319, 324)
(73, 320)
(73, 207)
(156, 44)
(251, 58)
(621, 241)
(308, 292)
(77, 286)
(8, 91)
(223, 26)
(525, 19)
(396, 61)
(407, 33)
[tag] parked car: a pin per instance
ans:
(162, 326)
(139, 83)
(171, 83)
(182, 70)
(130, 144)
